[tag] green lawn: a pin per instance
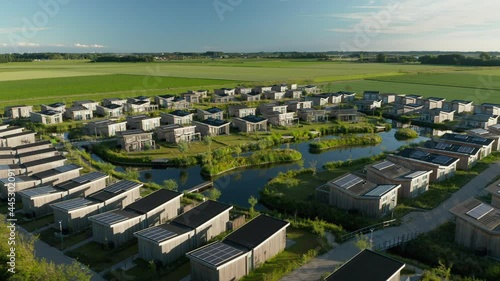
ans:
(38, 223)
(98, 259)
(143, 271)
(48, 236)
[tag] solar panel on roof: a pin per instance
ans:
(380, 190)
(88, 177)
(479, 139)
(73, 204)
(466, 149)
(38, 191)
(480, 211)
(419, 154)
(157, 234)
(443, 146)
(415, 174)
(463, 137)
(383, 165)
(66, 168)
(216, 254)
(121, 185)
(442, 160)
(110, 218)
(348, 181)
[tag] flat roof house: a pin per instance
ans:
(58, 106)
(312, 115)
(400, 109)
(47, 117)
(90, 104)
(179, 117)
(319, 100)
(252, 96)
(468, 155)
(243, 90)
(437, 115)
(262, 89)
(36, 201)
(460, 106)
(118, 226)
(442, 167)
(240, 110)
(18, 111)
(21, 138)
(223, 98)
(212, 127)
(311, 89)
(213, 112)
(478, 226)
(200, 93)
(37, 154)
(225, 91)
(368, 265)
(79, 113)
(116, 101)
(409, 99)
(192, 98)
(347, 96)
(413, 183)
(11, 130)
(139, 106)
(40, 165)
(483, 121)
(295, 105)
(168, 242)
(272, 107)
(32, 146)
(105, 128)
(293, 94)
(277, 118)
(250, 123)
(488, 108)
(74, 213)
(143, 122)
(350, 192)
(434, 102)
(350, 115)
(371, 95)
(273, 95)
(58, 174)
(22, 183)
(279, 88)
(176, 133)
(110, 110)
(135, 140)
(240, 252)
(486, 145)
(490, 134)
(367, 105)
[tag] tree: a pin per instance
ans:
(183, 147)
(252, 201)
(237, 150)
(362, 242)
(213, 194)
(170, 185)
(314, 166)
(107, 168)
(131, 174)
(208, 142)
(484, 56)
(381, 58)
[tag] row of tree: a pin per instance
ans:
(484, 59)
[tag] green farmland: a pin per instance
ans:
(44, 82)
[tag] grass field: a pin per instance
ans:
(44, 82)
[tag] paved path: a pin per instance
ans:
(413, 222)
(78, 245)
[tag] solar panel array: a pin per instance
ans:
(348, 181)
(466, 149)
(121, 186)
(462, 137)
(480, 211)
(66, 168)
(419, 154)
(88, 177)
(380, 190)
(415, 174)
(156, 234)
(383, 165)
(73, 204)
(38, 191)
(443, 146)
(442, 160)
(110, 218)
(479, 139)
(216, 254)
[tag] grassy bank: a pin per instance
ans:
(346, 141)
(405, 134)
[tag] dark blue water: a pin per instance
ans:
(237, 186)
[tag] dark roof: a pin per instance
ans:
(133, 132)
(81, 180)
(44, 161)
(141, 102)
(78, 108)
(8, 129)
(371, 92)
(181, 113)
(427, 157)
(215, 122)
(49, 112)
(166, 96)
(462, 101)
(214, 110)
(491, 104)
(19, 134)
(114, 189)
(33, 144)
(201, 214)
(152, 201)
(253, 118)
(256, 231)
(56, 171)
(112, 106)
(57, 104)
(367, 265)
(436, 99)
(471, 150)
(467, 139)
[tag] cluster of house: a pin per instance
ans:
(433, 109)
(478, 223)
(375, 190)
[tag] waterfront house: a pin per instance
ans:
(110, 110)
(252, 96)
(116, 101)
(58, 106)
(212, 127)
(250, 123)
(176, 133)
(487, 134)
(294, 105)
(79, 113)
(179, 117)
(47, 117)
(213, 112)
(468, 155)
(483, 121)
(293, 94)
(18, 111)
(433, 102)
(486, 145)
(437, 115)
(89, 104)
(105, 128)
(143, 122)
(312, 115)
(488, 108)
(135, 140)
(223, 98)
(17, 139)
(241, 111)
(225, 91)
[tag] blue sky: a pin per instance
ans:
(248, 25)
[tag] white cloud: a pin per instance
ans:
(78, 45)
(10, 30)
(27, 44)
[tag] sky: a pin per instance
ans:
(248, 25)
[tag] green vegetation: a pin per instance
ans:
(437, 248)
(405, 134)
(32, 225)
(28, 267)
(346, 141)
(49, 236)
